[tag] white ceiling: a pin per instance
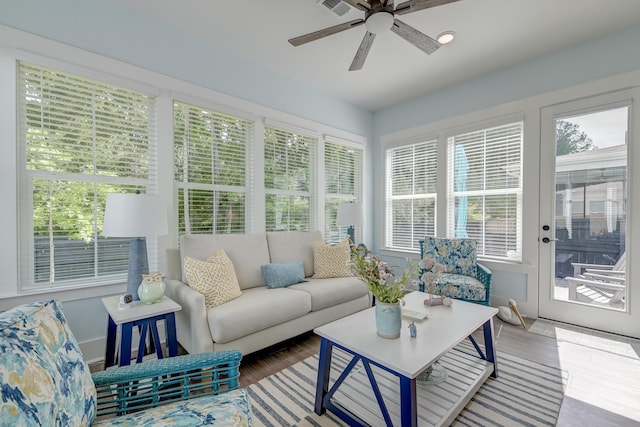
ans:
(490, 35)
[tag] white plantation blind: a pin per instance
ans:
(78, 140)
(485, 187)
(288, 171)
(411, 194)
(342, 183)
(210, 155)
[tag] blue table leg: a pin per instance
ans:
(170, 331)
(324, 369)
(408, 402)
(142, 343)
(490, 346)
(125, 344)
(155, 338)
(109, 357)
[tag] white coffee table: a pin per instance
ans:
(385, 392)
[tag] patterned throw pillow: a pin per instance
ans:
(331, 261)
(214, 278)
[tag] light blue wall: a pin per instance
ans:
(106, 28)
(613, 54)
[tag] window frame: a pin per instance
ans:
(26, 176)
(185, 184)
(332, 232)
(390, 198)
(288, 193)
(451, 193)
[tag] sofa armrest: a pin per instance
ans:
(149, 384)
(192, 326)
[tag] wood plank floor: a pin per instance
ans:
(573, 358)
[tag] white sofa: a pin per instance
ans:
(261, 316)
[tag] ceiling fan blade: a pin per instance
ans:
(359, 4)
(415, 37)
(297, 41)
(416, 5)
(363, 51)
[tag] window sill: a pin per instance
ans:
(63, 295)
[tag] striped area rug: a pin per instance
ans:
(524, 394)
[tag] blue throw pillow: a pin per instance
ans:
(281, 275)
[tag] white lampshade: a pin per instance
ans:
(134, 215)
(350, 214)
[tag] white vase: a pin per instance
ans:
(388, 319)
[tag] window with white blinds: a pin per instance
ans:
(210, 158)
(78, 140)
(411, 172)
(342, 184)
(288, 172)
(485, 189)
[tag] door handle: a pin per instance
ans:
(547, 240)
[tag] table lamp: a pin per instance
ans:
(351, 215)
(137, 216)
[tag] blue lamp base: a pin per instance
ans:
(351, 233)
(138, 265)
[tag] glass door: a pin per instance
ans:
(584, 218)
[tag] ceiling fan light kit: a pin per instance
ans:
(380, 18)
(379, 22)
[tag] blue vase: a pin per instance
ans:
(388, 319)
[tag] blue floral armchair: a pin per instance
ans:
(449, 267)
(44, 380)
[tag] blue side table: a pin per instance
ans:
(146, 318)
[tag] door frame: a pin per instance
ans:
(625, 322)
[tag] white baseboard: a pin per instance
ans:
(94, 350)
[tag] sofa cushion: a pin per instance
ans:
(247, 252)
(230, 409)
(257, 309)
(282, 275)
(286, 246)
(43, 376)
(331, 260)
(214, 278)
(329, 292)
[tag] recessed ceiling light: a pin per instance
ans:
(446, 37)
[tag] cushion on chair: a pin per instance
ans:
(43, 376)
(461, 287)
(458, 256)
(229, 409)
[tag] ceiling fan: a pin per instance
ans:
(380, 17)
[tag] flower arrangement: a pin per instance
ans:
(378, 276)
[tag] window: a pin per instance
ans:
(485, 189)
(210, 157)
(288, 175)
(78, 140)
(411, 194)
(342, 183)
